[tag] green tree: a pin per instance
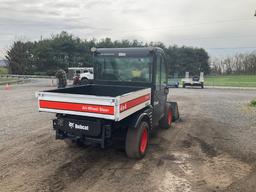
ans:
(20, 58)
(188, 59)
(64, 50)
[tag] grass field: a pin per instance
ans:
(10, 80)
(253, 103)
(3, 70)
(231, 80)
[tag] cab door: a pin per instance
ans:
(159, 95)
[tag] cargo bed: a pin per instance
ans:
(100, 101)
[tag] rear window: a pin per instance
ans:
(138, 69)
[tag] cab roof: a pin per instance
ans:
(130, 51)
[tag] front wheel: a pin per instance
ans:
(167, 119)
(136, 143)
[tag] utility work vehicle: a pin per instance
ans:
(84, 77)
(126, 101)
(193, 81)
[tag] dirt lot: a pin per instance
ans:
(212, 148)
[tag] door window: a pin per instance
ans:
(158, 73)
(163, 72)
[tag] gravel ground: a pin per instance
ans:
(212, 148)
(226, 114)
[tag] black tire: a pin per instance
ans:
(166, 121)
(135, 140)
(175, 111)
(85, 81)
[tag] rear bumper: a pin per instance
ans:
(85, 131)
(194, 84)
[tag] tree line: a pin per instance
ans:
(237, 64)
(65, 50)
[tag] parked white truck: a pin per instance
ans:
(193, 81)
(84, 78)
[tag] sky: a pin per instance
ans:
(222, 27)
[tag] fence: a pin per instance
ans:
(26, 76)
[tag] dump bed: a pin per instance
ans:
(100, 101)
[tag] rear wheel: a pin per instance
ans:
(136, 143)
(84, 81)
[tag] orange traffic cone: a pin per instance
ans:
(7, 87)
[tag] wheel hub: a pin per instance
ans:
(144, 140)
(169, 118)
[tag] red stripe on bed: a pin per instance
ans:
(132, 103)
(101, 109)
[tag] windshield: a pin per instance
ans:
(124, 68)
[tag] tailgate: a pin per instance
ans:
(75, 104)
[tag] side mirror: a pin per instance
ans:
(166, 90)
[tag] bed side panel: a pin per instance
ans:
(132, 102)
